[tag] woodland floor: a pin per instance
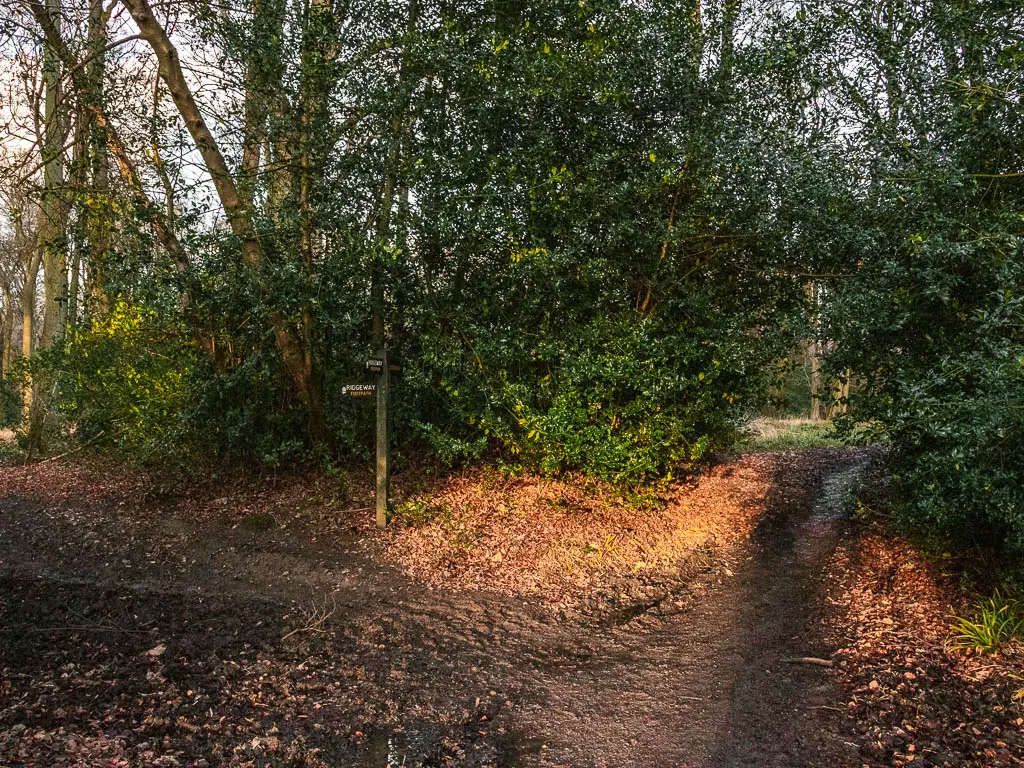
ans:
(265, 627)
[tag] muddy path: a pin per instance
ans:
(131, 637)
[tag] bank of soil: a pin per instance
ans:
(261, 629)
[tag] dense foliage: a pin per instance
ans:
(535, 207)
(929, 318)
(590, 231)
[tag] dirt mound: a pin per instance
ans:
(562, 538)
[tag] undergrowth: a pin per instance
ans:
(994, 622)
(765, 435)
(10, 451)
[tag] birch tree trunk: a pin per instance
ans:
(7, 326)
(78, 180)
(32, 258)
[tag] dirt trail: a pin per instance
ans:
(282, 652)
(712, 685)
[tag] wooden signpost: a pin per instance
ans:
(383, 443)
(383, 368)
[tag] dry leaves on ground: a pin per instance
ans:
(912, 699)
(549, 537)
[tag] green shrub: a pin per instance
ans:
(956, 423)
(131, 379)
(622, 400)
(10, 402)
(140, 383)
(10, 452)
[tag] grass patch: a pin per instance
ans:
(417, 513)
(994, 622)
(763, 435)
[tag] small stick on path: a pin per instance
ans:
(813, 660)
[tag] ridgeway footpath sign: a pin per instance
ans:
(383, 368)
(358, 390)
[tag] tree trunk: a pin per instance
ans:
(817, 403)
(98, 214)
(53, 211)
(7, 332)
(290, 342)
(316, 60)
(814, 356)
(52, 221)
(79, 184)
(33, 257)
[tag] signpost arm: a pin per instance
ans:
(383, 448)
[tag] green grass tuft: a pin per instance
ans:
(995, 621)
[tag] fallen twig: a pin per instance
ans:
(810, 660)
(88, 442)
(316, 617)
